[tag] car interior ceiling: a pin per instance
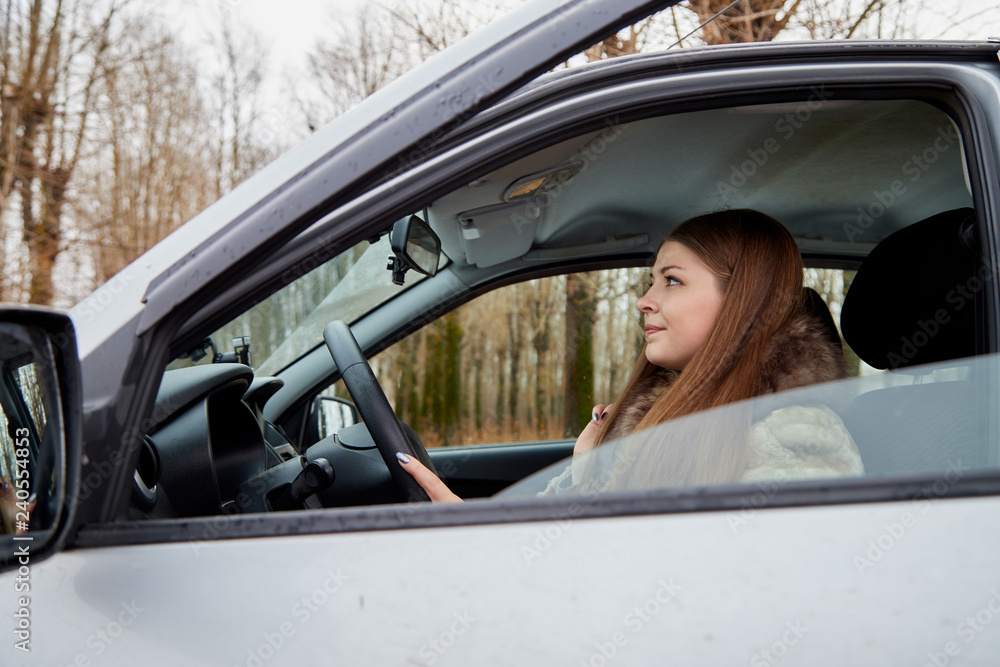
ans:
(814, 178)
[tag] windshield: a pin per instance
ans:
(937, 419)
(290, 322)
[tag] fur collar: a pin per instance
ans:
(800, 354)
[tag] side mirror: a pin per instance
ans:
(330, 414)
(40, 419)
(414, 246)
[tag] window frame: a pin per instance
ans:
(966, 87)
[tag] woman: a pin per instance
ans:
(724, 321)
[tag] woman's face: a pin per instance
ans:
(680, 306)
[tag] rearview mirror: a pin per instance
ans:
(330, 414)
(40, 408)
(414, 246)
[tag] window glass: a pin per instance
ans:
(505, 368)
(936, 419)
(525, 363)
(290, 322)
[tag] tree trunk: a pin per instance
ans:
(452, 377)
(747, 21)
(42, 236)
(579, 365)
(513, 391)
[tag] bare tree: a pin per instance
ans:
(155, 161)
(362, 54)
(370, 48)
(725, 22)
(53, 57)
(237, 96)
(430, 27)
(148, 172)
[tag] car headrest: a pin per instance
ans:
(912, 301)
(816, 307)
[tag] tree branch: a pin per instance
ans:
(862, 17)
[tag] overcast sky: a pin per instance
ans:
(291, 28)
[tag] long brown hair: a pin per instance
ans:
(760, 271)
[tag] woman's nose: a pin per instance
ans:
(645, 304)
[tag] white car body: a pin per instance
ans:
(871, 578)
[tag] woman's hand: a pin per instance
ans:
(587, 441)
(439, 492)
(428, 481)
(588, 437)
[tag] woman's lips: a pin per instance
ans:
(652, 330)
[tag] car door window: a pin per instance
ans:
(526, 361)
(504, 368)
(282, 327)
(937, 420)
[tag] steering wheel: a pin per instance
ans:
(374, 408)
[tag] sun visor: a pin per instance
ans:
(495, 234)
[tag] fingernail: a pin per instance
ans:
(596, 418)
(604, 414)
(402, 457)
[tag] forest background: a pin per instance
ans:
(121, 119)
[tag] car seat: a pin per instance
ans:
(906, 307)
(816, 307)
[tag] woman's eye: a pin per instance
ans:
(672, 281)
